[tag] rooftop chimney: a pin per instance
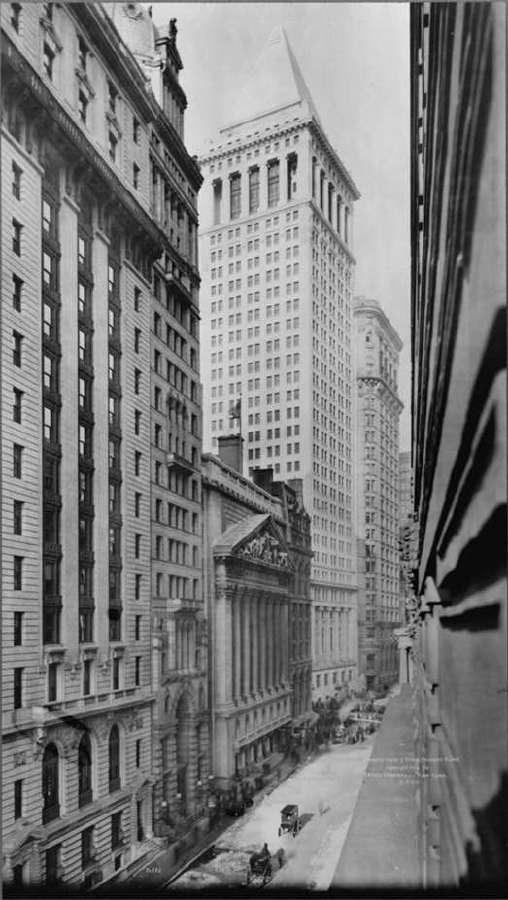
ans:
(231, 451)
(263, 478)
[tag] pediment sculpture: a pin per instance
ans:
(267, 548)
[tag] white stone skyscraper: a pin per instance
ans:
(277, 269)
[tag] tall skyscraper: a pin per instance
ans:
(90, 332)
(277, 269)
(377, 348)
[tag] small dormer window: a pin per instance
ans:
(15, 16)
(82, 106)
(82, 53)
(113, 97)
(48, 58)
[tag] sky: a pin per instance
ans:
(355, 60)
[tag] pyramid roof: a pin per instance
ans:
(274, 82)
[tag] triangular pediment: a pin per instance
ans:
(257, 539)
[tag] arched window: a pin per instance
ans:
(114, 759)
(51, 805)
(85, 771)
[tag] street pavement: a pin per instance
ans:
(325, 791)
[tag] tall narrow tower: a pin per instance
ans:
(377, 347)
(277, 267)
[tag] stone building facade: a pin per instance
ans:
(458, 221)
(257, 576)
(277, 266)
(81, 236)
(377, 348)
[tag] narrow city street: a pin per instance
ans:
(325, 791)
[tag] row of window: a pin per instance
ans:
(254, 188)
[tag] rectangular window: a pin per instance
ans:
(292, 162)
(135, 130)
(254, 189)
(16, 405)
(273, 182)
(87, 848)
(18, 628)
(116, 673)
(18, 516)
(17, 340)
(137, 671)
(15, 16)
(112, 144)
(52, 682)
(217, 199)
(116, 829)
(135, 175)
(112, 97)
(137, 587)
(48, 58)
(137, 628)
(18, 798)
(138, 750)
(87, 677)
(17, 285)
(16, 181)
(17, 460)
(16, 237)
(82, 106)
(82, 53)
(235, 195)
(18, 688)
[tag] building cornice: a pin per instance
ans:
(318, 132)
(107, 40)
(378, 380)
(223, 152)
(76, 142)
(175, 145)
(364, 307)
(335, 234)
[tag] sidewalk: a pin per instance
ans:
(380, 850)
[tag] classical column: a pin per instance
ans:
(285, 639)
(223, 638)
(277, 643)
(269, 628)
(238, 647)
(255, 644)
(263, 643)
(259, 627)
(246, 645)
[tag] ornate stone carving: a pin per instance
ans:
(267, 548)
(103, 727)
(19, 759)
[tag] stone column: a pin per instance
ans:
(263, 642)
(269, 629)
(255, 644)
(238, 648)
(285, 639)
(223, 638)
(246, 645)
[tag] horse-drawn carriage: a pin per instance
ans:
(260, 868)
(290, 820)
